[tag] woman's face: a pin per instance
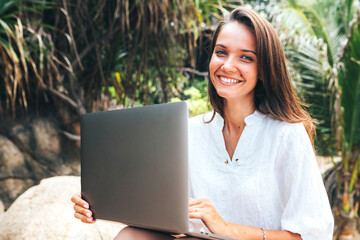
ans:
(233, 65)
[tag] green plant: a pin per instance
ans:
(196, 97)
(70, 52)
(17, 50)
(326, 62)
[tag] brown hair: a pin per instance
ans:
(274, 92)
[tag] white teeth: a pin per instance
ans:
(229, 80)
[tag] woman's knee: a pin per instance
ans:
(131, 233)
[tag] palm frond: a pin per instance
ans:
(311, 75)
(331, 85)
(349, 80)
(293, 17)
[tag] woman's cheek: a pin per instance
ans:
(215, 63)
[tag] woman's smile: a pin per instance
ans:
(229, 80)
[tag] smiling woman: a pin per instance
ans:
(253, 173)
(252, 168)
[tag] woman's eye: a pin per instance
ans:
(247, 58)
(220, 52)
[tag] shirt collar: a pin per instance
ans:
(251, 119)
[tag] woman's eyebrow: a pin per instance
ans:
(248, 50)
(220, 45)
(243, 50)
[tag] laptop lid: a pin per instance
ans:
(134, 166)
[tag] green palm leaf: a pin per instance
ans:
(349, 81)
(333, 82)
(314, 74)
(320, 19)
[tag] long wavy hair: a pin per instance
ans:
(274, 93)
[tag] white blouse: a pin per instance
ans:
(272, 181)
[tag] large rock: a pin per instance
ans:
(48, 144)
(21, 135)
(15, 176)
(2, 207)
(33, 150)
(12, 162)
(12, 188)
(46, 212)
(45, 150)
(40, 138)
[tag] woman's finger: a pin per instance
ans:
(82, 210)
(84, 218)
(197, 208)
(198, 215)
(196, 201)
(197, 211)
(79, 201)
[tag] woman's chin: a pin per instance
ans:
(227, 94)
(231, 96)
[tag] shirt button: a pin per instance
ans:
(236, 160)
(226, 162)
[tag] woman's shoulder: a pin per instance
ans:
(201, 120)
(282, 126)
(197, 119)
(276, 129)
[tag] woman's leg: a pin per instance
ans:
(131, 233)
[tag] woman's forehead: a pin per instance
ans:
(236, 35)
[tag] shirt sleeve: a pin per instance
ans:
(306, 206)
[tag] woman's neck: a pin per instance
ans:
(234, 115)
(235, 112)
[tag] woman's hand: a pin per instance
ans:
(203, 209)
(81, 208)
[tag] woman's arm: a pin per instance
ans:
(247, 232)
(204, 210)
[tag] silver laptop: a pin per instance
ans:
(134, 167)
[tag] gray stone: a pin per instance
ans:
(12, 162)
(21, 136)
(47, 141)
(46, 212)
(2, 207)
(11, 188)
(39, 170)
(15, 176)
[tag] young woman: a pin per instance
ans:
(252, 167)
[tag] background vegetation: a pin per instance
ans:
(70, 57)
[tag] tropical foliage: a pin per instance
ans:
(78, 54)
(349, 83)
(21, 52)
(322, 41)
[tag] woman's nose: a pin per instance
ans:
(228, 66)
